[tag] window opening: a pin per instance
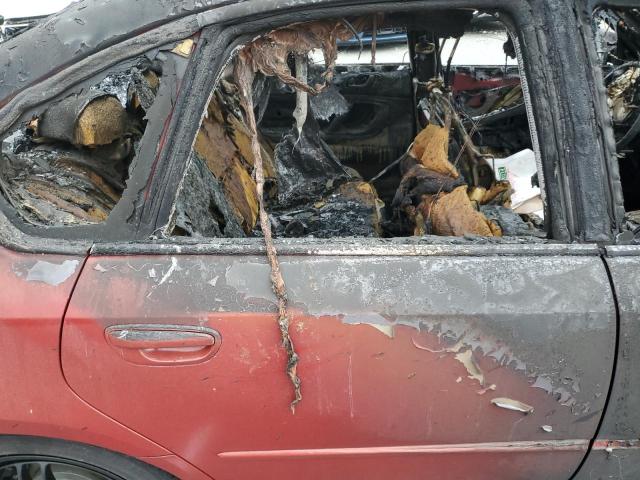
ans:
(389, 125)
(617, 33)
(70, 163)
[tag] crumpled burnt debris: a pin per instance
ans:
(328, 104)
(621, 93)
(305, 166)
(57, 186)
(433, 197)
(512, 224)
(446, 181)
(224, 143)
(70, 164)
(304, 180)
(269, 53)
(203, 209)
(617, 33)
(352, 210)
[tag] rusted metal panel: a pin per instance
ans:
(400, 359)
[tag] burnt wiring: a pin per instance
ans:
(244, 77)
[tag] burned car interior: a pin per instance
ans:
(69, 165)
(366, 127)
(358, 141)
(373, 126)
(617, 33)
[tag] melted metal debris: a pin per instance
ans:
(202, 210)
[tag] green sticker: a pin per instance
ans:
(502, 173)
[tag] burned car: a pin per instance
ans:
(321, 239)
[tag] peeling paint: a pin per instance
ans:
(510, 404)
(490, 388)
(52, 273)
(507, 328)
(466, 359)
(371, 319)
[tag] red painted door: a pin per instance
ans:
(35, 399)
(455, 363)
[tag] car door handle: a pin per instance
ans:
(158, 345)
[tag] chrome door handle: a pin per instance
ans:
(145, 344)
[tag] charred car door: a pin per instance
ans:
(453, 358)
(462, 362)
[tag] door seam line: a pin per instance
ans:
(614, 368)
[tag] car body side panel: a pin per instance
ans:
(36, 399)
(616, 453)
(35, 291)
(622, 422)
(400, 359)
